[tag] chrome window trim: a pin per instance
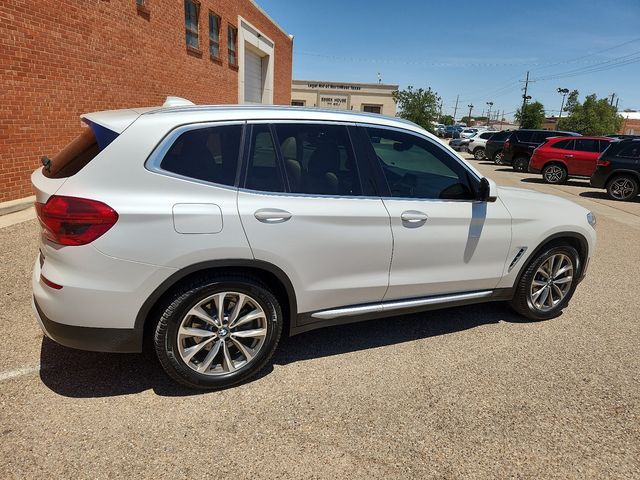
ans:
(154, 160)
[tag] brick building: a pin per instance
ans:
(61, 58)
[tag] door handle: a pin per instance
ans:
(568, 156)
(414, 216)
(272, 215)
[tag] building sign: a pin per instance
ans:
(333, 101)
(333, 86)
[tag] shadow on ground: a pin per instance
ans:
(80, 374)
(569, 183)
(602, 195)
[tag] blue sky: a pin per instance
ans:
(477, 49)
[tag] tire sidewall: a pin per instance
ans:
(184, 303)
(634, 193)
(520, 164)
(478, 153)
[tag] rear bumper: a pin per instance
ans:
(120, 340)
(599, 178)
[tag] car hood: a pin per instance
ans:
(523, 203)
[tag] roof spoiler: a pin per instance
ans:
(177, 102)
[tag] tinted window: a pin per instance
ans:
(416, 168)
(602, 145)
(540, 137)
(564, 144)
(524, 136)
(486, 136)
(263, 171)
(209, 154)
(630, 151)
(500, 136)
(318, 159)
(587, 145)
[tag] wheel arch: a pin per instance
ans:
(622, 171)
(555, 160)
(271, 275)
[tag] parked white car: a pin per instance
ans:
(477, 144)
(214, 229)
(468, 132)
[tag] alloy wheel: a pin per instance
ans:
(478, 153)
(222, 333)
(553, 174)
(498, 158)
(551, 282)
(621, 188)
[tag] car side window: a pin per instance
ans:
(630, 151)
(485, 136)
(263, 169)
(524, 136)
(602, 145)
(564, 144)
(209, 154)
(319, 159)
(587, 145)
(416, 168)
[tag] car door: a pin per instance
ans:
(563, 151)
(305, 210)
(586, 152)
(445, 241)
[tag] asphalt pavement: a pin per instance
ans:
(470, 392)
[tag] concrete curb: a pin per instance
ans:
(16, 205)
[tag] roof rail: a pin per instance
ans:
(176, 102)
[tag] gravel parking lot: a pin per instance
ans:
(473, 392)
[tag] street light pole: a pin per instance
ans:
(564, 92)
(489, 114)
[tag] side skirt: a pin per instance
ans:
(357, 313)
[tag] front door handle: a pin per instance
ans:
(414, 217)
(568, 156)
(272, 215)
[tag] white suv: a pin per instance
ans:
(213, 229)
(478, 144)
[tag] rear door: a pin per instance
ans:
(306, 211)
(586, 153)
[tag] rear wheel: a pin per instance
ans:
(498, 158)
(218, 331)
(521, 164)
(548, 283)
(623, 187)
(554, 173)
(478, 153)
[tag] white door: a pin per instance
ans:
(310, 219)
(445, 241)
(253, 77)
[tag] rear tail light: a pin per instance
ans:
(506, 145)
(602, 163)
(74, 221)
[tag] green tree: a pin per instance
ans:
(532, 117)
(593, 117)
(446, 119)
(419, 106)
(467, 120)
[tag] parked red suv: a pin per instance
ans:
(561, 157)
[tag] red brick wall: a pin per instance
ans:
(62, 58)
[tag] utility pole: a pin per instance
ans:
(489, 114)
(617, 100)
(470, 108)
(455, 110)
(612, 97)
(564, 92)
(525, 97)
(440, 117)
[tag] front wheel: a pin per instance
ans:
(478, 153)
(520, 164)
(623, 187)
(554, 173)
(217, 331)
(548, 283)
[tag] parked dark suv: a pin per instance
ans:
(493, 148)
(518, 148)
(618, 170)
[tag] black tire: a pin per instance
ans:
(521, 164)
(497, 158)
(478, 153)
(623, 187)
(522, 301)
(555, 173)
(184, 299)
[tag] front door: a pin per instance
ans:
(303, 209)
(445, 241)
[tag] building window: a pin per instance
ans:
(372, 108)
(232, 45)
(191, 12)
(214, 35)
(297, 103)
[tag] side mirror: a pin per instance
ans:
(488, 191)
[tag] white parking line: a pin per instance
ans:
(19, 372)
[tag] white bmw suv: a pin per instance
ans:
(214, 229)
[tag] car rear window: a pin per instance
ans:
(209, 154)
(564, 144)
(486, 136)
(630, 151)
(498, 137)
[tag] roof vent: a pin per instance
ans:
(177, 102)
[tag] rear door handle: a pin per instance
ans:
(414, 216)
(568, 156)
(272, 215)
